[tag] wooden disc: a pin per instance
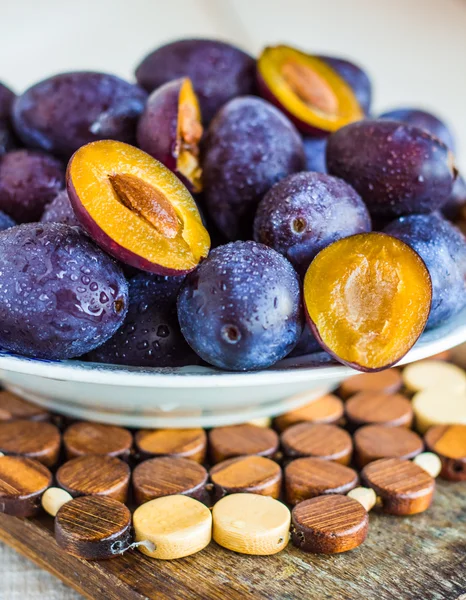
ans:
(326, 409)
(404, 488)
(95, 438)
(427, 374)
(22, 483)
(449, 443)
(93, 527)
(318, 440)
(240, 440)
(368, 408)
(329, 524)
(184, 443)
(253, 474)
(309, 477)
(168, 475)
(95, 475)
(372, 442)
(33, 439)
(438, 406)
(388, 381)
(13, 407)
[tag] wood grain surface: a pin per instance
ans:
(14, 407)
(185, 443)
(372, 442)
(34, 439)
(327, 409)
(388, 381)
(319, 440)
(22, 483)
(238, 440)
(391, 410)
(253, 474)
(95, 438)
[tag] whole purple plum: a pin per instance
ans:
(250, 145)
(307, 344)
(64, 112)
(219, 71)
(355, 77)
(314, 149)
(424, 120)
(60, 211)
(305, 212)
(61, 295)
(150, 335)
(454, 208)
(241, 309)
(442, 247)
(398, 169)
(28, 181)
(5, 221)
(6, 100)
(7, 138)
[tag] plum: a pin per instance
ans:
(7, 138)
(136, 209)
(61, 295)
(250, 146)
(307, 344)
(367, 299)
(241, 309)
(314, 150)
(60, 211)
(170, 130)
(355, 77)
(150, 335)
(442, 247)
(5, 221)
(6, 100)
(28, 181)
(305, 212)
(455, 207)
(66, 111)
(218, 71)
(424, 120)
(397, 168)
(307, 89)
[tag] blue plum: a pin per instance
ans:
(60, 211)
(315, 149)
(5, 221)
(355, 77)
(7, 138)
(455, 207)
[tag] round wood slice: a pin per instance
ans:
(165, 476)
(367, 408)
(13, 407)
(327, 409)
(329, 524)
(318, 440)
(95, 438)
(33, 439)
(449, 442)
(95, 475)
(240, 440)
(309, 477)
(22, 483)
(93, 527)
(372, 442)
(388, 381)
(253, 474)
(404, 488)
(184, 443)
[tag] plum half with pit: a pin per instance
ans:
(250, 145)
(64, 112)
(397, 168)
(424, 120)
(305, 212)
(28, 181)
(170, 130)
(355, 77)
(150, 335)
(241, 309)
(61, 295)
(367, 299)
(442, 247)
(218, 71)
(307, 89)
(136, 209)
(60, 211)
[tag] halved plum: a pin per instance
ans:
(307, 89)
(170, 130)
(367, 299)
(136, 209)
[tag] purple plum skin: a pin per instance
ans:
(5, 221)
(307, 344)
(424, 120)
(28, 181)
(7, 98)
(305, 212)
(241, 309)
(8, 140)
(60, 211)
(218, 71)
(355, 77)
(61, 295)
(315, 149)
(250, 146)
(455, 205)
(64, 112)
(150, 335)
(398, 169)
(442, 247)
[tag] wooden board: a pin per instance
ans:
(411, 558)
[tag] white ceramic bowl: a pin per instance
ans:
(188, 396)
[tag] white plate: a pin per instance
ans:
(188, 396)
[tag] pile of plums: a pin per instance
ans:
(332, 230)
